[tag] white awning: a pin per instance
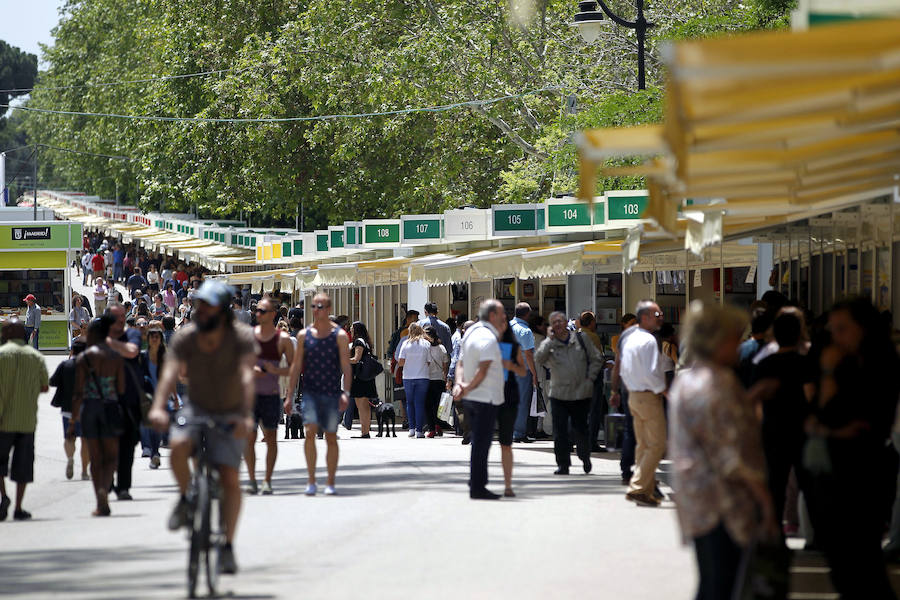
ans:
(337, 274)
(498, 264)
(455, 270)
(552, 262)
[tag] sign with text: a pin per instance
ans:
(36, 236)
(515, 219)
(468, 223)
(567, 215)
(381, 232)
(626, 205)
(422, 227)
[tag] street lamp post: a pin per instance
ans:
(590, 21)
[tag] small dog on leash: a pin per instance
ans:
(386, 418)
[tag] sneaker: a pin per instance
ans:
(420, 434)
(266, 488)
(311, 489)
(587, 464)
(154, 462)
(4, 507)
(227, 564)
(70, 468)
(145, 453)
(124, 495)
(561, 471)
(330, 491)
(85, 477)
(180, 516)
(21, 515)
(252, 488)
(412, 433)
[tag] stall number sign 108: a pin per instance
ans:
(384, 233)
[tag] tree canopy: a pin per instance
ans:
(291, 58)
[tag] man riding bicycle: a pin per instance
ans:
(217, 356)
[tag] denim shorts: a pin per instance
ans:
(66, 420)
(267, 410)
(322, 410)
(222, 448)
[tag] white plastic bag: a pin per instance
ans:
(445, 409)
(538, 408)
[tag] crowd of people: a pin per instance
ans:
(765, 417)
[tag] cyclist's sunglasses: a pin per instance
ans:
(320, 306)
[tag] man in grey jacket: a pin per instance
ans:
(574, 364)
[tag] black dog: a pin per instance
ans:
(386, 418)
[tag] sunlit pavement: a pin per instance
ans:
(402, 524)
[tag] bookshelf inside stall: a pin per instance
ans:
(608, 293)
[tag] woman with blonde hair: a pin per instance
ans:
(723, 501)
(413, 358)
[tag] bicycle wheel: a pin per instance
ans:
(213, 514)
(199, 534)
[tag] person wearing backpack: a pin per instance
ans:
(574, 364)
(363, 389)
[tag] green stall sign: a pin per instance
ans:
(575, 214)
(626, 208)
(350, 235)
(337, 239)
(422, 229)
(599, 213)
(384, 233)
(515, 219)
(322, 242)
(285, 248)
(298, 248)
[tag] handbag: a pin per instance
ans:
(445, 408)
(369, 366)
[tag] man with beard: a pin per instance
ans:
(218, 356)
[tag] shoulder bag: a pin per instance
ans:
(369, 366)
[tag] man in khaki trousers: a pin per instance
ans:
(641, 370)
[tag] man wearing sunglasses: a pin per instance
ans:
(323, 356)
(641, 371)
(273, 344)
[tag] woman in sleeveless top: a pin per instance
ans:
(362, 391)
(99, 381)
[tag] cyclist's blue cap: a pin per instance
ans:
(215, 293)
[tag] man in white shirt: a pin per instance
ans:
(641, 370)
(479, 383)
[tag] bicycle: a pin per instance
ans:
(206, 520)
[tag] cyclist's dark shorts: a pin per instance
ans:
(222, 448)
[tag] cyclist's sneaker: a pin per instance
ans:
(180, 515)
(266, 488)
(226, 560)
(252, 488)
(330, 491)
(311, 489)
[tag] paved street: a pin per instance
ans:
(403, 524)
